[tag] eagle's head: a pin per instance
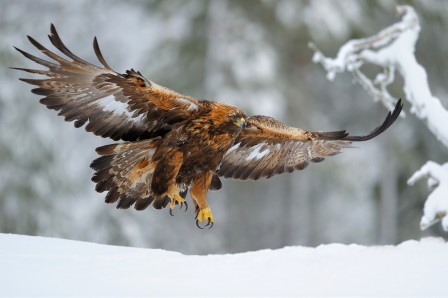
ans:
(236, 120)
(239, 120)
(228, 118)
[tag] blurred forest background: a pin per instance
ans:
(253, 54)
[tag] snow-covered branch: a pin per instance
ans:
(436, 206)
(393, 48)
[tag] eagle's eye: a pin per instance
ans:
(241, 122)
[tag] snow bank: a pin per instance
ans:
(35, 266)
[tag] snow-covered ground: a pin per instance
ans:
(36, 266)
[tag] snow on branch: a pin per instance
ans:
(436, 205)
(393, 48)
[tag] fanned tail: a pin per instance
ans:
(126, 171)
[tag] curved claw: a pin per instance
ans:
(197, 224)
(171, 212)
(181, 205)
(209, 224)
(186, 206)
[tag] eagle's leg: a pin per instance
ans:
(164, 181)
(198, 193)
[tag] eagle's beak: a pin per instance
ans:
(241, 122)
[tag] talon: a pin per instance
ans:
(205, 214)
(186, 206)
(209, 224)
(172, 204)
(197, 224)
(176, 200)
(171, 212)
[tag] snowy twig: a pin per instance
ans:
(354, 53)
(436, 206)
(377, 94)
(393, 48)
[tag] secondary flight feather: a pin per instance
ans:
(171, 143)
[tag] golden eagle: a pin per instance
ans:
(172, 143)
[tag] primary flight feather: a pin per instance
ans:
(172, 143)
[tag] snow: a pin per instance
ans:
(37, 266)
(436, 206)
(393, 48)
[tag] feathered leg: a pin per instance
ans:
(164, 181)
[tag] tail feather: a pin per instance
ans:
(106, 184)
(126, 171)
(112, 196)
(161, 203)
(126, 201)
(143, 203)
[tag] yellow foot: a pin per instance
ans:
(177, 199)
(205, 214)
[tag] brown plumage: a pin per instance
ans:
(172, 143)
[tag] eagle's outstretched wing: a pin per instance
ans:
(119, 106)
(267, 147)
